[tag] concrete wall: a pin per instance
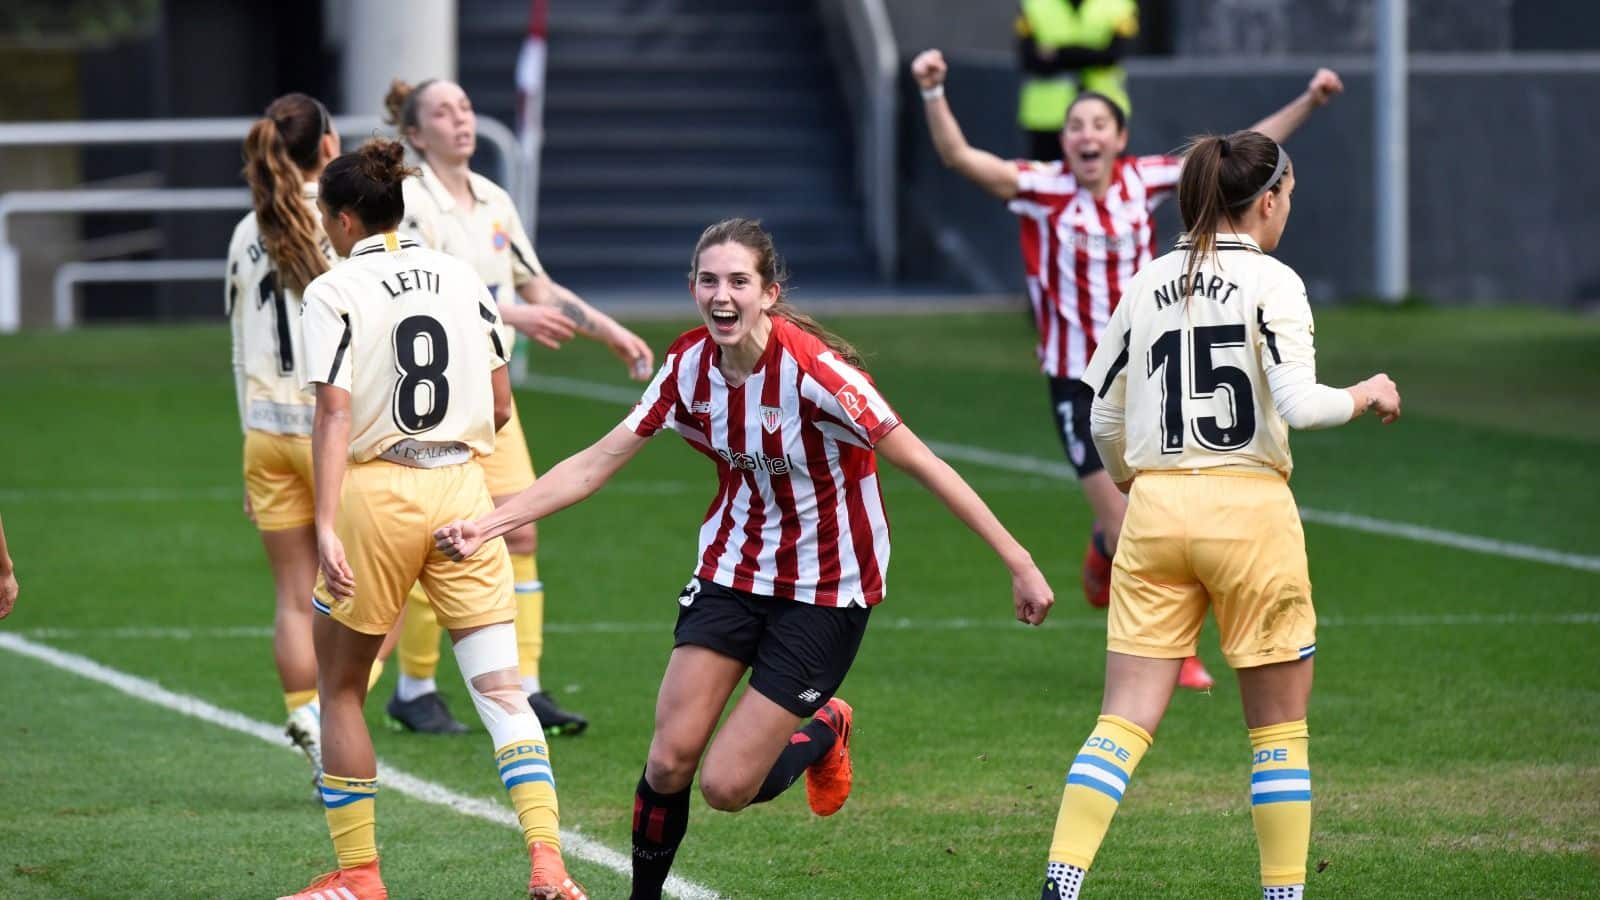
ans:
(1502, 188)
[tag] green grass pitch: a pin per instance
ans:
(1455, 722)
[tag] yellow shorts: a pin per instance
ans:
(509, 469)
(1228, 540)
(277, 479)
(387, 514)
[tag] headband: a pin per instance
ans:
(1277, 173)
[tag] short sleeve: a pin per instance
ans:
(325, 322)
(654, 411)
(1287, 331)
(525, 265)
(1107, 372)
(1160, 176)
(493, 328)
(846, 397)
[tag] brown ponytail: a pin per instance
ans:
(281, 149)
(367, 183)
(749, 234)
(1221, 176)
(401, 104)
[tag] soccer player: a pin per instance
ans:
(1204, 369)
(403, 347)
(8, 578)
(276, 250)
(451, 208)
(1086, 227)
(793, 552)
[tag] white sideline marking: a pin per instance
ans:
(573, 387)
(573, 843)
(879, 623)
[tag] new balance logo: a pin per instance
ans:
(810, 695)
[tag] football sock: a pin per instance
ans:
(1061, 882)
(1095, 784)
(806, 746)
(525, 771)
(419, 646)
(293, 700)
(1280, 802)
(375, 674)
(1284, 892)
(352, 819)
(530, 619)
(659, 823)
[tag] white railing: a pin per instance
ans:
(167, 131)
(71, 274)
(877, 60)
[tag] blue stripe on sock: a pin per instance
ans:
(1096, 784)
(1280, 797)
(344, 800)
(1278, 775)
(1101, 762)
(515, 780)
(1307, 651)
(523, 762)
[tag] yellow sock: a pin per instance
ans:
(293, 700)
(1095, 784)
(525, 771)
(530, 613)
(375, 674)
(352, 818)
(419, 637)
(1280, 800)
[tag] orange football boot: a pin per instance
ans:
(828, 779)
(1096, 576)
(1194, 676)
(549, 879)
(358, 883)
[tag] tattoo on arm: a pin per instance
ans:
(579, 315)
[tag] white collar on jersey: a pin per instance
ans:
(378, 243)
(311, 190)
(1226, 241)
(441, 194)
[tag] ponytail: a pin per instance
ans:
(749, 234)
(280, 151)
(1223, 175)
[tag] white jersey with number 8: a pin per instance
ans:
(411, 333)
(1187, 359)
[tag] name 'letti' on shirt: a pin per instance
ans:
(798, 513)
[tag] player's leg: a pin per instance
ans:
(1255, 568)
(417, 704)
(1070, 403)
(694, 690)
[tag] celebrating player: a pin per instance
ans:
(403, 346)
(793, 554)
(276, 250)
(1086, 227)
(451, 208)
(1202, 372)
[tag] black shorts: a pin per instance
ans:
(798, 653)
(1070, 400)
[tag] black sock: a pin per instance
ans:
(659, 823)
(796, 758)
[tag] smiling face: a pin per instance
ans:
(1091, 140)
(447, 129)
(731, 296)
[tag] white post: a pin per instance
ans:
(1391, 234)
(387, 39)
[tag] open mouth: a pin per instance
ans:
(1089, 155)
(724, 319)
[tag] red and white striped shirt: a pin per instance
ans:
(1078, 252)
(798, 513)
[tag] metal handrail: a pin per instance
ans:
(877, 60)
(71, 274)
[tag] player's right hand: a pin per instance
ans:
(249, 508)
(1032, 595)
(545, 324)
(1385, 397)
(8, 593)
(929, 69)
(335, 569)
(458, 540)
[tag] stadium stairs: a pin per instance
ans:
(663, 116)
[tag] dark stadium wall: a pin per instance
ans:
(1501, 185)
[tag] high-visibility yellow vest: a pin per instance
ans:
(1058, 23)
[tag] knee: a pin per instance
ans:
(522, 540)
(725, 794)
(669, 769)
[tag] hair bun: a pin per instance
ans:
(394, 102)
(383, 160)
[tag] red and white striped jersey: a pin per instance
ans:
(798, 513)
(1078, 252)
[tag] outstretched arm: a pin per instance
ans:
(8, 578)
(996, 176)
(1031, 595)
(570, 481)
(545, 292)
(330, 453)
(1324, 86)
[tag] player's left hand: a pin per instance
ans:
(458, 540)
(1324, 86)
(631, 349)
(1032, 595)
(335, 569)
(249, 508)
(8, 593)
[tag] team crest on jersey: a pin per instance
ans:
(700, 407)
(501, 236)
(770, 417)
(854, 405)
